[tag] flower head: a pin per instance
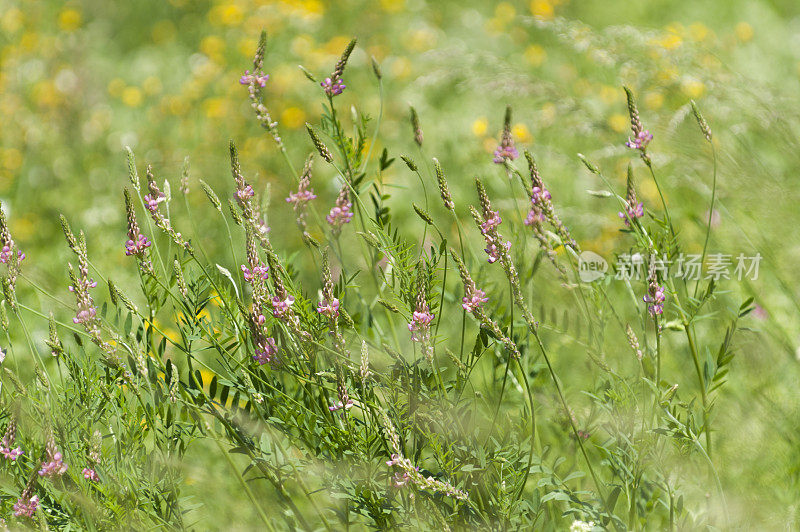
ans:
(265, 351)
(258, 78)
(90, 474)
(26, 506)
(341, 212)
(506, 150)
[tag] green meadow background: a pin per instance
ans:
(79, 80)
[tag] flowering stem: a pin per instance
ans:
(660, 195)
(710, 213)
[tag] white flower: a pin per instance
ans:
(580, 526)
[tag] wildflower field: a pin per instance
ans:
(396, 264)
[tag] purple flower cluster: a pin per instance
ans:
(474, 299)
(258, 271)
(257, 78)
(86, 314)
(340, 405)
(329, 308)
(281, 307)
(420, 325)
(26, 506)
(333, 86)
(55, 466)
(633, 211)
(506, 150)
(5, 252)
(153, 199)
(7, 443)
(640, 141)
(341, 213)
(265, 351)
(138, 246)
(655, 299)
(90, 475)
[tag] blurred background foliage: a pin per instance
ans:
(79, 80)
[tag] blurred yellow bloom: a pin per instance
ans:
(401, 68)
(480, 126)
(12, 20)
(744, 31)
(421, 40)
(504, 10)
(653, 100)
(667, 75)
(212, 46)
(215, 107)
(6, 180)
(12, 158)
(293, 117)
(489, 144)
(698, 31)
(177, 106)
(226, 14)
(535, 55)
(69, 19)
(152, 85)
(521, 133)
(610, 94)
(132, 96)
(669, 41)
(618, 122)
(28, 41)
(115, 87)
(693, 88)
(247, 46)
(542, 9)
(45, 94)
(337, 45)
(393, 6)
(647, 189)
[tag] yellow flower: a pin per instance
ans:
(69, 19)
(132, 96)
(226, 14)
(542, 9)
(421, 40)
(337, 45)
(293, 117)
(247, 46)
(480, 126)
(610, 94)
(744, 31)
(693, 88)
(698, 31)
(215, 107)
(45, 94)
(393, 6)
(618, 122)
(653, 100)
(28, 41)
(535, 55)
(670, 41)
(12, 20)
(212, 46)
(521, 133)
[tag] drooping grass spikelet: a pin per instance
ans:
(444, 190)
(133, 175)
(701, 121)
